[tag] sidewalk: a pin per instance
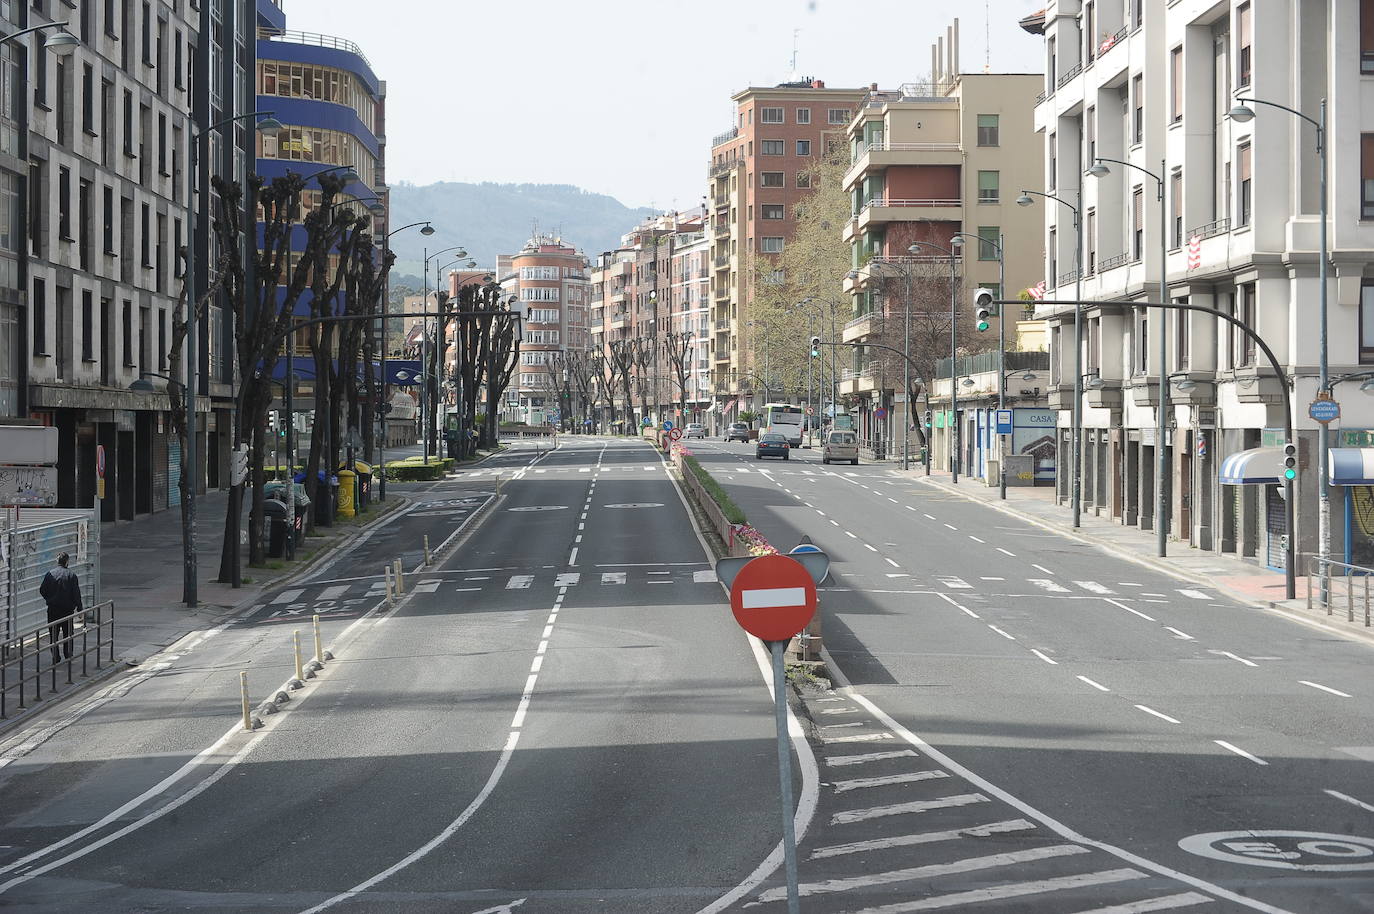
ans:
(1239, 579)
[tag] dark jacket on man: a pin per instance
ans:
(61, 589)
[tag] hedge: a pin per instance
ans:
(414, 469)
(727, 506)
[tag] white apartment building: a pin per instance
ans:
(1152, 83)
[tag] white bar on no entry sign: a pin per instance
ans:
(773, 597)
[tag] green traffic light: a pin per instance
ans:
(983, 325)
(1290, 473)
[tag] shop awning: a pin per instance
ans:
(731, 405)
(1255, 467)
(1352, 466)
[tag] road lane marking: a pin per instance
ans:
(1096, 685)
(519, 581)
(897, 809)
(851, 723)
(288, 596)
(1042, 568)
(1118, 604)
(1158, 714)
(977, 540)
(1012, 890)
(910, 777)
(1048, 660)
(548, 631)
(951, 526)
(930, 516)
(850, 535)
(1002, 633)
(930, 837)
(1182, 636)
(1005, 552)
(333, 593)
(543, 646)
(567, 579)
(834, 523)
(572, 556)
(1318, 685)
(1195, 594)
(1048, 585)
(1094, 587)
(954, 583)
(1349, 799)
(986, 578)
(841, 761)
(704, 577)
(1239, 751)
(860, 738)
(1235, 657)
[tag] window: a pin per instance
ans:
(773, 147)
(145, 237)
(64, 203)
(1176, 205)
(1367, 176)
(40, 76)
(987, 241)
(1138, 116)
(161, 339)
(1176, 77)
(1367, 36)
(1243, 201)
(63, 111)
(1246, 307)
(1181, 337)
(128, 123)
(803, 147)
(803, 179)
(1090, 241)
(38, 316)
(1226, 304)
(771, 245)
(87, 98)
(770, 179)
(1367, 321)
(543, 315)
(176, 61)
(1090, 136)
(107, 220)
(989, 186)
(111, 17)
(770, 116)
(803, 115)
(1243, 40)
(147, 33)
(988, 129)
(771, 211)
(539, 293)
(37, 207)
(144, 318)
(83, 229)
(162, 144)
(1137, 222)
(127, 334)
(1142, 341)
(88, 327)
(837, 116)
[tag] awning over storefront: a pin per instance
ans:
(1352, 466)
(731, 405)
(1255, 467)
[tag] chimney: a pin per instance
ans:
(954, 50)
(939, 75)
(818, 84)
(934, 64)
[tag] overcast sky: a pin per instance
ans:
(624, 98)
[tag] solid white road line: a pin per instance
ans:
(898, 809)
(1044, 658)
(930, 837)
(1006, 890)
(1318, 685)
(1349, 799)
(1239, 751)
(908, 778)
(1162, 903)
(840, 761)
(1158, 714)
(1096, 685)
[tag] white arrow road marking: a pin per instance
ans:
(1049, 585)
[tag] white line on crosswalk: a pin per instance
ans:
(1051, 586)
(520, 581)
(286, 596)
(1094, 587)
(613, 577)
(840, 761)
(1195, 594)
(338, 590)
(877, 812)
(909, 777)
(1162, 903)
(930, 837)
(567, 579)
(1006, 890)
(860, 738)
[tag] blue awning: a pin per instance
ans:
(1255, 467)
(399, 372)
(1352, 466)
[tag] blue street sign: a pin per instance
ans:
(1004, 422)
(1324, 410)
(667, 426)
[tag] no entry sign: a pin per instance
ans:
(773, 597)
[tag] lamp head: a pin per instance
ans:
(377, 209)
(1367, 387)
(914, 248)
(269, 126)
(1094, 382)
(852, 274)
(142, 386)
(956, 243)
(1028, 376)
(966, 382)
(1242, 113)
(1024, 199)
(61, 42)
(1099, 170)
(350, 175)
(427, 230)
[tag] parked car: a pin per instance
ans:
(696, 430)
(738, 430)
(771, 444)
(841, 445)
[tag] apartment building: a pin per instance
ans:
(93, 165)
(688, 320)
(549, 280)
(756, 176)
(1189, 197)
(938, 163)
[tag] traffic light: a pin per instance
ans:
(815, 347)
(1290, 460)
(927, 418)
(982, 300)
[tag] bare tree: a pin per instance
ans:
(676, 347)
(622, 359)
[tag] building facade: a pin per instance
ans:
(1188, 199)
(549, 281)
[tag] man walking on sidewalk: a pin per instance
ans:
(61, 590)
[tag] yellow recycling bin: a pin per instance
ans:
(347, 479)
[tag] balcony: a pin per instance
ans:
(861, 326)
(722, 293)
(725, 137)
(723, 168)
(722, 261)
(1111, 263)
(722, 325)
(877, 156)
(1210, 229)
(881, 210)
(620, 320)
(1069, 75)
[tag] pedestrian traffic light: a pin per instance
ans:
(1290, 461)
(982, 300)
(815, 347)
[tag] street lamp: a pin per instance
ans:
(1099, 169)
(1075, 461)
(952, 253)
(425, 229)
(61, 42)
(424, 392)
(1241, 112)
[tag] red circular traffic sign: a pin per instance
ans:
(675, 434)
(100, 461)
(773, 597)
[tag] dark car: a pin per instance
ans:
(738, 430)
(771, 444)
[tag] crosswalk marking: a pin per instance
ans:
(613, 577)
(1049, 585)
(567, 579)
(1195, 594)
(839, 710)
(909, 778)
(878, 812)
(519, 581)
(1093, 587)
(286, 596)
(930, 837)
(427, 586)
(1162, 903)
(841, 761)
(704, 577)
(860, 738)
(333, 593)
(955, 583)
(1006, 890)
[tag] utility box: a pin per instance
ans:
(1020, 469)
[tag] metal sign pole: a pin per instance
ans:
(789, 835)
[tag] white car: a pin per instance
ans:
(695, 430)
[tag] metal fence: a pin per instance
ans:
(1337, 583)
(30, 541)
(53, 653)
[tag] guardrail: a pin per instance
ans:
(316, 39)
(71, 643)
(1352, 580)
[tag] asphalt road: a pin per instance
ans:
(561, 716)
(1037, 725)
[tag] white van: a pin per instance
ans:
(841, 445)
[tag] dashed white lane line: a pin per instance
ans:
(1048, 660)
(930, 516)
(834, 523)
(890, 562)
(1119, 605)
(951, 526)
(572, 556)
(976, 539)
(893, 500)
(1096, 685)
(1042, 568)
(1002, 633)
(1005, 552)
(1239, 751)
(870, 548)
(850, 535)
(1349, 799)
(1318, 685)
(1235, 657)
(543, 646)
(1159, 714)
(1182, 636)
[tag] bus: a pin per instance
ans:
(785, 419)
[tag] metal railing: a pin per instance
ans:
(1069, 75)
(1111, 263)
(884, 201)
(72, 654)
(725, 137)
(723, 168)
(1210, 229)
(907, 147)
(722, 261)
(1337, 580)
(1065, 278)
(316, 39)
(913, 258)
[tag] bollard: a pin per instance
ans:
(296, 642)
(400, 576)
(390, 590)
(243, 690)
(319, 651)
(428, 558)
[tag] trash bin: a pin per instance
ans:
(347, 480)
(451, 442)
(274, 519)
(364, 483)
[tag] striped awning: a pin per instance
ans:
(731, 405)
(1352, 466)
(1257, 466)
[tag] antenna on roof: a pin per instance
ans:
(793, 76)
(987, 36)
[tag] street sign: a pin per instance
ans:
(1324, 409)
(100, 461)
(880, 413)
(667, 426)
(675, 433)
(1004, 422)
(31, 487)
(810, 411)
(238, 465)
(773, 597)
